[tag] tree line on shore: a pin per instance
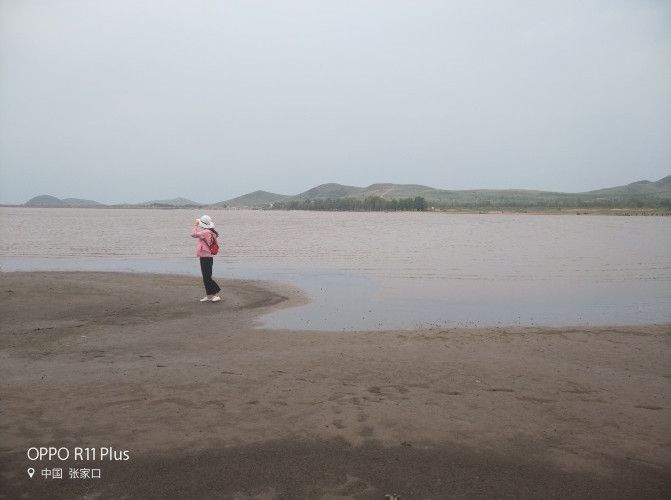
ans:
(420, 204)
(368, 204)
(559, 203)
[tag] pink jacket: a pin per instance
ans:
(205, 240)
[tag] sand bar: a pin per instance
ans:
(211, 406)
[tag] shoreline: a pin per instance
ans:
(210, 405)
(293, 295)
(623, 212)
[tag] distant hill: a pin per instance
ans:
(252, 200)
(46, 200)
(51, 201)
(636, 188)
(637, 194)
(398, 191)
(78, 202)
(332, 191)
(391, 191)
(656, 194)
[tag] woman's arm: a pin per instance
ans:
(206, 236)
(197, 234)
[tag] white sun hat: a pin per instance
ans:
(206, 222)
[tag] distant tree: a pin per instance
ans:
(419, 203)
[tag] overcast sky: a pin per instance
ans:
(136, 100)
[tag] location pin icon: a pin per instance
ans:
(31, 471)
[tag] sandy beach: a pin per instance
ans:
(209, 405)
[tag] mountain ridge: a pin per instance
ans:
(254, 199)
(639, 193)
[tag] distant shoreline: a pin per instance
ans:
(629, 212)
(407, 197)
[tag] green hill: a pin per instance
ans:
(78, 202)
(640, 187)
(252, 200)
(389, 191)
(641, 194)
(46, 200)
(329, 191)
(638, 194)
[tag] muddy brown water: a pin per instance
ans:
(381, 270)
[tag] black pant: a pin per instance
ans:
(211, 286)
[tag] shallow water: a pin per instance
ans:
(381, 270)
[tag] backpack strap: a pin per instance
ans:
(214, 238)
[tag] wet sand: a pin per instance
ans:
(210, 406)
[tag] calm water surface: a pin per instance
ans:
(381, 270)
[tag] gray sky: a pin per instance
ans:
(136, 100)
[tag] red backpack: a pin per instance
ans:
(214, 247)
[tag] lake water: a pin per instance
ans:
(381, 270)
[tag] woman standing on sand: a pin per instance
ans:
(206, 238)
